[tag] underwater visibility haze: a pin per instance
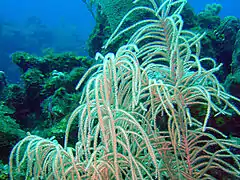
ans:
(120, 89)
(34, 26)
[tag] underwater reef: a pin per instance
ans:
(44, 99)
(160, 99)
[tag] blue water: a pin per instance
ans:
(230, 7)
(33, 25)
(64, 25)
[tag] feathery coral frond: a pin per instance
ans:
(157, 76)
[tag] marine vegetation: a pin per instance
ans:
(157, 77)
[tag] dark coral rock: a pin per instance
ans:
(15, 96)
(99, 34)
(3, 81)
(10, 131)
(226, 33)
(64, 62)
(42, 78)
(232, 82)
(225, 41)
(189, 17)
(24, 60)
(209, 19)
(236, 54)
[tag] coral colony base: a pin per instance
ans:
(157, 76)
